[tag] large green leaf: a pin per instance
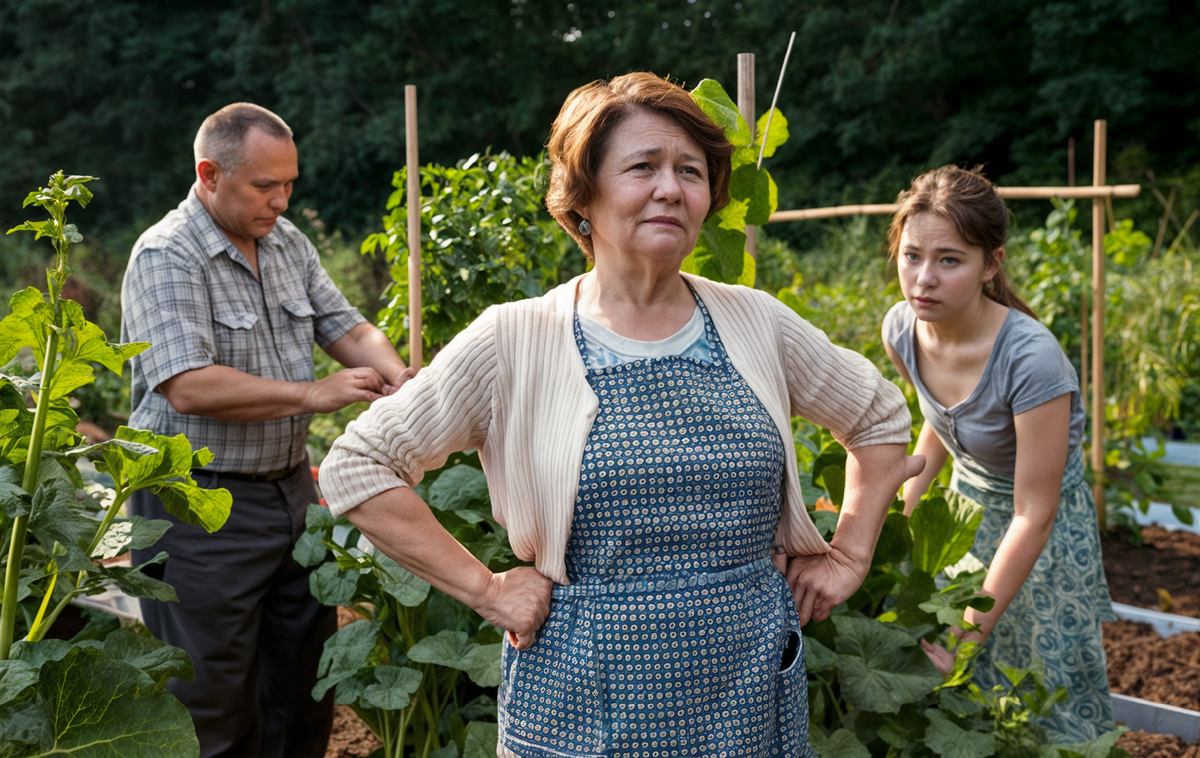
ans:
(1101, 747)
(916, 589)
(15, 678)
(310, 549)
(36, 654)
(167, 474)
(102, 708)
(943, 531)
(133, 533)
(777, 135)
(133, 582)
(409, 589)
(58, 516)
(90, 344)
(392, 688)
(26, 723)
(880, 668)
(841, 744)
(458, 488)
(817, 657)
(26, 325)
(344, 654)
(455, 650)
(720, 254)
(717, 105)
(332, 586)
(894, 541)
(156, 658)
(949, 740)
(481, 740)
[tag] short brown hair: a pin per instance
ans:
(970, 202)
(580, 136)
(222, 134)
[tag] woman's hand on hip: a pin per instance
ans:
(820, 583)
(518, 601)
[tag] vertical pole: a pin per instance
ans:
(415, 340)
(745, 99)
(1083, 345)
(1070, 161)
(1099, 161)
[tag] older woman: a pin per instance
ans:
(634, 425)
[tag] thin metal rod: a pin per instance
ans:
(778, 86)
(415, 340)
(745, 88)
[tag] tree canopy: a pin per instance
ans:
(876, 91)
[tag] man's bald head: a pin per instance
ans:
(223, 134)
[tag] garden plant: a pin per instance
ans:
(95, 697)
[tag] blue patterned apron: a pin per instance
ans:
(676, 637)
(1055, 618)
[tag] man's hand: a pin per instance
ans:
(398, 382)
(518, 601)
(350, 385)
(820, 583)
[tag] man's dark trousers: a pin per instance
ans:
(246, 617)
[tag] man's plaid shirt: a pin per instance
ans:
(191, 294)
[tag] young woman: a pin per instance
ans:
(999, 395)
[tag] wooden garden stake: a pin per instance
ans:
(1099, 159)
(1083, 345)
(415, 340)
(745, 100)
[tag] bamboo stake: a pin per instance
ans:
(1008, 193)
(415, 339)
(1083, 346)
(745, 90)
(1099, 167)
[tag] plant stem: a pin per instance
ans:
(16, 549)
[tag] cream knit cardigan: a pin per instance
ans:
(513, 386)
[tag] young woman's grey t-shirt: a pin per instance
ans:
(1026, 369)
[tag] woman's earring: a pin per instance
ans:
(585, 228)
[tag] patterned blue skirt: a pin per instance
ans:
(1055, 619)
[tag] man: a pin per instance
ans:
(232, 297)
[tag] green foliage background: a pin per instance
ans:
(877, 89)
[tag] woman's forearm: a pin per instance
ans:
(400, 524)
(1018, 552)
(873, 476)
(935, 454)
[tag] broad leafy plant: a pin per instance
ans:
(402, 667)
(872, 690)
(98, 697)
(720, 252)
(486, 238)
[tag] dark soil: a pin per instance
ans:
(351, 738)
(1142, 745)
(1143, 664)
(1162, 574)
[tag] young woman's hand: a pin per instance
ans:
(943, 659)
